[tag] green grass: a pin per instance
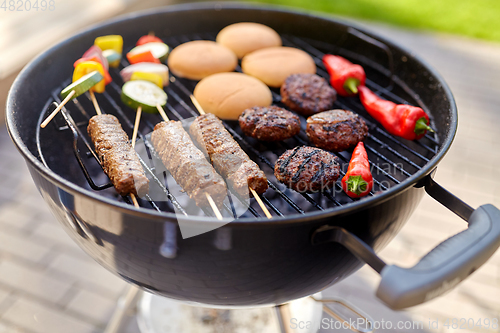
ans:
(472, 18)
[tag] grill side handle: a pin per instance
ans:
(442, 268)
(445, 266)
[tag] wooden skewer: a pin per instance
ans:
(134, 138)
(210, 199)
(134, 200)
(162, 112)
(261, 204)
(197, 104)
(53, 114)
(256, 196)
(214, 206)
(136, 125)
(94, 101)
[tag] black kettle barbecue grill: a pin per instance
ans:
(313, 240)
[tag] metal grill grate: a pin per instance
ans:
(391, 158)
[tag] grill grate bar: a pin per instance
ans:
(273, 207)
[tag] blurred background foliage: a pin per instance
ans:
(472, 18)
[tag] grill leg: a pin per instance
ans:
(125, 303)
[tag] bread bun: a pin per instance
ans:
(201, 58)
(273, 65)
(227, 95)
(245, 37)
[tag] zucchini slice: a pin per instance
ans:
(83, 84)
(144, 94)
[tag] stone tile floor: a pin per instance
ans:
(42, 290)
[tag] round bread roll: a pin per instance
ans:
(227, 95)
(201, 58)
(245, 37)
(273, 65)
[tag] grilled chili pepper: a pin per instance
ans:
(406, 121)
(358, 181)
(345, 76)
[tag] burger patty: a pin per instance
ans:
(307, 169)
(187, 164)
(336, 130)
(307, 94)
(270, 123)
(118, 158)
(226, 155)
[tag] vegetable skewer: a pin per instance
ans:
(74, 90)
(249, 186)
(146, 93)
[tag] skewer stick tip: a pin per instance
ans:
(214, 206)
(134, 200)
(59, 107)
(197, 104)
(162, 112)
(94, 101)
(261, 203)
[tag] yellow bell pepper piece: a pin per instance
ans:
(110, 42)
(151, 77)
(86, 67)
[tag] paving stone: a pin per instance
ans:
(6, 328)
(31, 281)
(40, 318)
(16, 245)
(87, 273)
(51, 234)
(93, 305)
(3, 295)
(15, 216)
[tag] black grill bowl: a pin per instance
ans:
(251, 261)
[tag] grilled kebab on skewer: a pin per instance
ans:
(336, 130)
(269, 123)
(187, 164)
(227, 156)
(119, 160)
(307, 169)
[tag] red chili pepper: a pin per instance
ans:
(107, 77)
(148, 39)
(147, 56)
(358, 181)
(345, 76)
(406, 121)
